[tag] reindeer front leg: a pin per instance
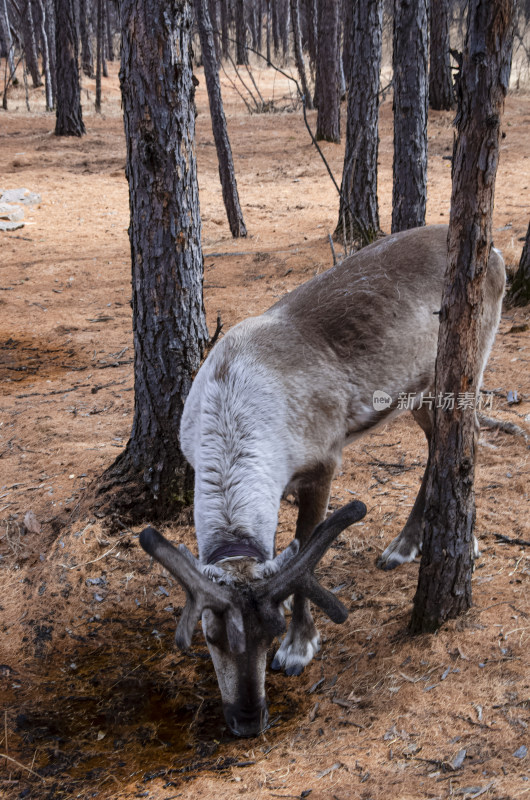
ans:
(302, 640)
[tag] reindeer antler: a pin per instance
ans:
(201, 592)
(298, 576)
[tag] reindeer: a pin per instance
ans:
(270, 412)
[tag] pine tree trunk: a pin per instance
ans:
(48, 83)
(359, 215)
(52, 45)
(441, 96)
(311, 9)
(7, 39)
(151, 478)
(220, 132)
(444, 586)
(298, 53)
(102, 38)
(348, 37)
(241, 33)
(225, 42)
(110, 43)
(519, 294)
(85, 32)
(30, 44)
(269, 28)
(327, 81)
(285, 27)
(409, 196)
(275, 25)
(69, 117)
(99, 53)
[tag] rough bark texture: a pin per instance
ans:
(99, 53)
(225, 41)
(6, 38)
(151, 478)
(46, 61)
(217, 114)
(241, 33)
(441, 94)
(359, 215)
(519, 293)
(444, 587)
(327, 80)
(69, 118)
(298, 53)
(30, 44)
(108, 29)
(52, 45)
(409, 194)
(85, 32)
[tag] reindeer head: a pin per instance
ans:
(240, 620)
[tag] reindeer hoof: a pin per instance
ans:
(401, 550)
(295, 653)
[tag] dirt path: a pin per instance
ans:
(97, 701)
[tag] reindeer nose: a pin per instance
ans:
(246, 721)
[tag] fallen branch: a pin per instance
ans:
(501, 425)
(508, 540)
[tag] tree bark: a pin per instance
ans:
(110, 42)
(519, 294)
(69, 117)
(7, 39)
(85, 33)
(241, 33)
(444, 586)
(151, 479)
(358, 212)
(225, 42)
(220, 132)
(99, 53)
(409, 195)
(52, 45)
(285, 27)
(441, 95)
(30, 44)
(48, 83)
(298, 53)
(327, 80)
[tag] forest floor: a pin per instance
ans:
(95, 700)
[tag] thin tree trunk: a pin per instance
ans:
(52, 45)
(99, 53)
(241, 33)
(298, 53)
(269, 27)
(519, 293)
(102, 38)
(285, 26)
(327, 82)
(411, 33)
(220, 132)
(225, 42)
(358, 212)
(444, 586)
(151, 478)
(348, 37)
(311, 8)
(275, 24)
(110, 42)
(85, 31)
(69, 117)
(441, 96)
(7, 39)
(30, 44)
(48, 84)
